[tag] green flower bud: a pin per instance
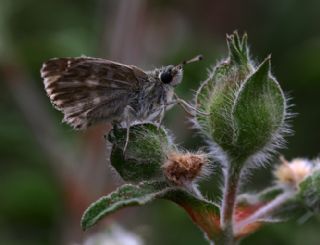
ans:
(144, 155)
(246, 104)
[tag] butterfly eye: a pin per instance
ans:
(166, 77)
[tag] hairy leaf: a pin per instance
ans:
(309, 193)
(259, 111)
(136, 195)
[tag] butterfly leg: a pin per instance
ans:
(161, 115)
(127, 137)
(186, 107)
(128, 113)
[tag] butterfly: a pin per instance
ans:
(91, 90)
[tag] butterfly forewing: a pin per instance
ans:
(89, 90)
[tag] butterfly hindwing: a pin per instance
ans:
(89, 90)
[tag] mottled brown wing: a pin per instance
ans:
(90, 90)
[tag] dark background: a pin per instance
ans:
(50, 173)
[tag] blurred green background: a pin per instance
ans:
(50, 173)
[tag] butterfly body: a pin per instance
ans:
(152, 97)
(91, 90)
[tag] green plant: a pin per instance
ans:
(246, 121)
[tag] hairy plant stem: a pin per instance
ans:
(230, 191)
(224, 240)
(267, 210)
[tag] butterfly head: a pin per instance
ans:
(172, 75)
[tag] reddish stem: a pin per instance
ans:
(228, 206)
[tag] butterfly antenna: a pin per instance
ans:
(194, 59)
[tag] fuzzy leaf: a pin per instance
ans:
(259, 112)
(126, 195)
(202, 212)
(278, 211)
(262, 197)
(268, 195)
(145, 153)
(309, 193)
(136, 195)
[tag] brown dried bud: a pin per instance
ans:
(183, 168)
